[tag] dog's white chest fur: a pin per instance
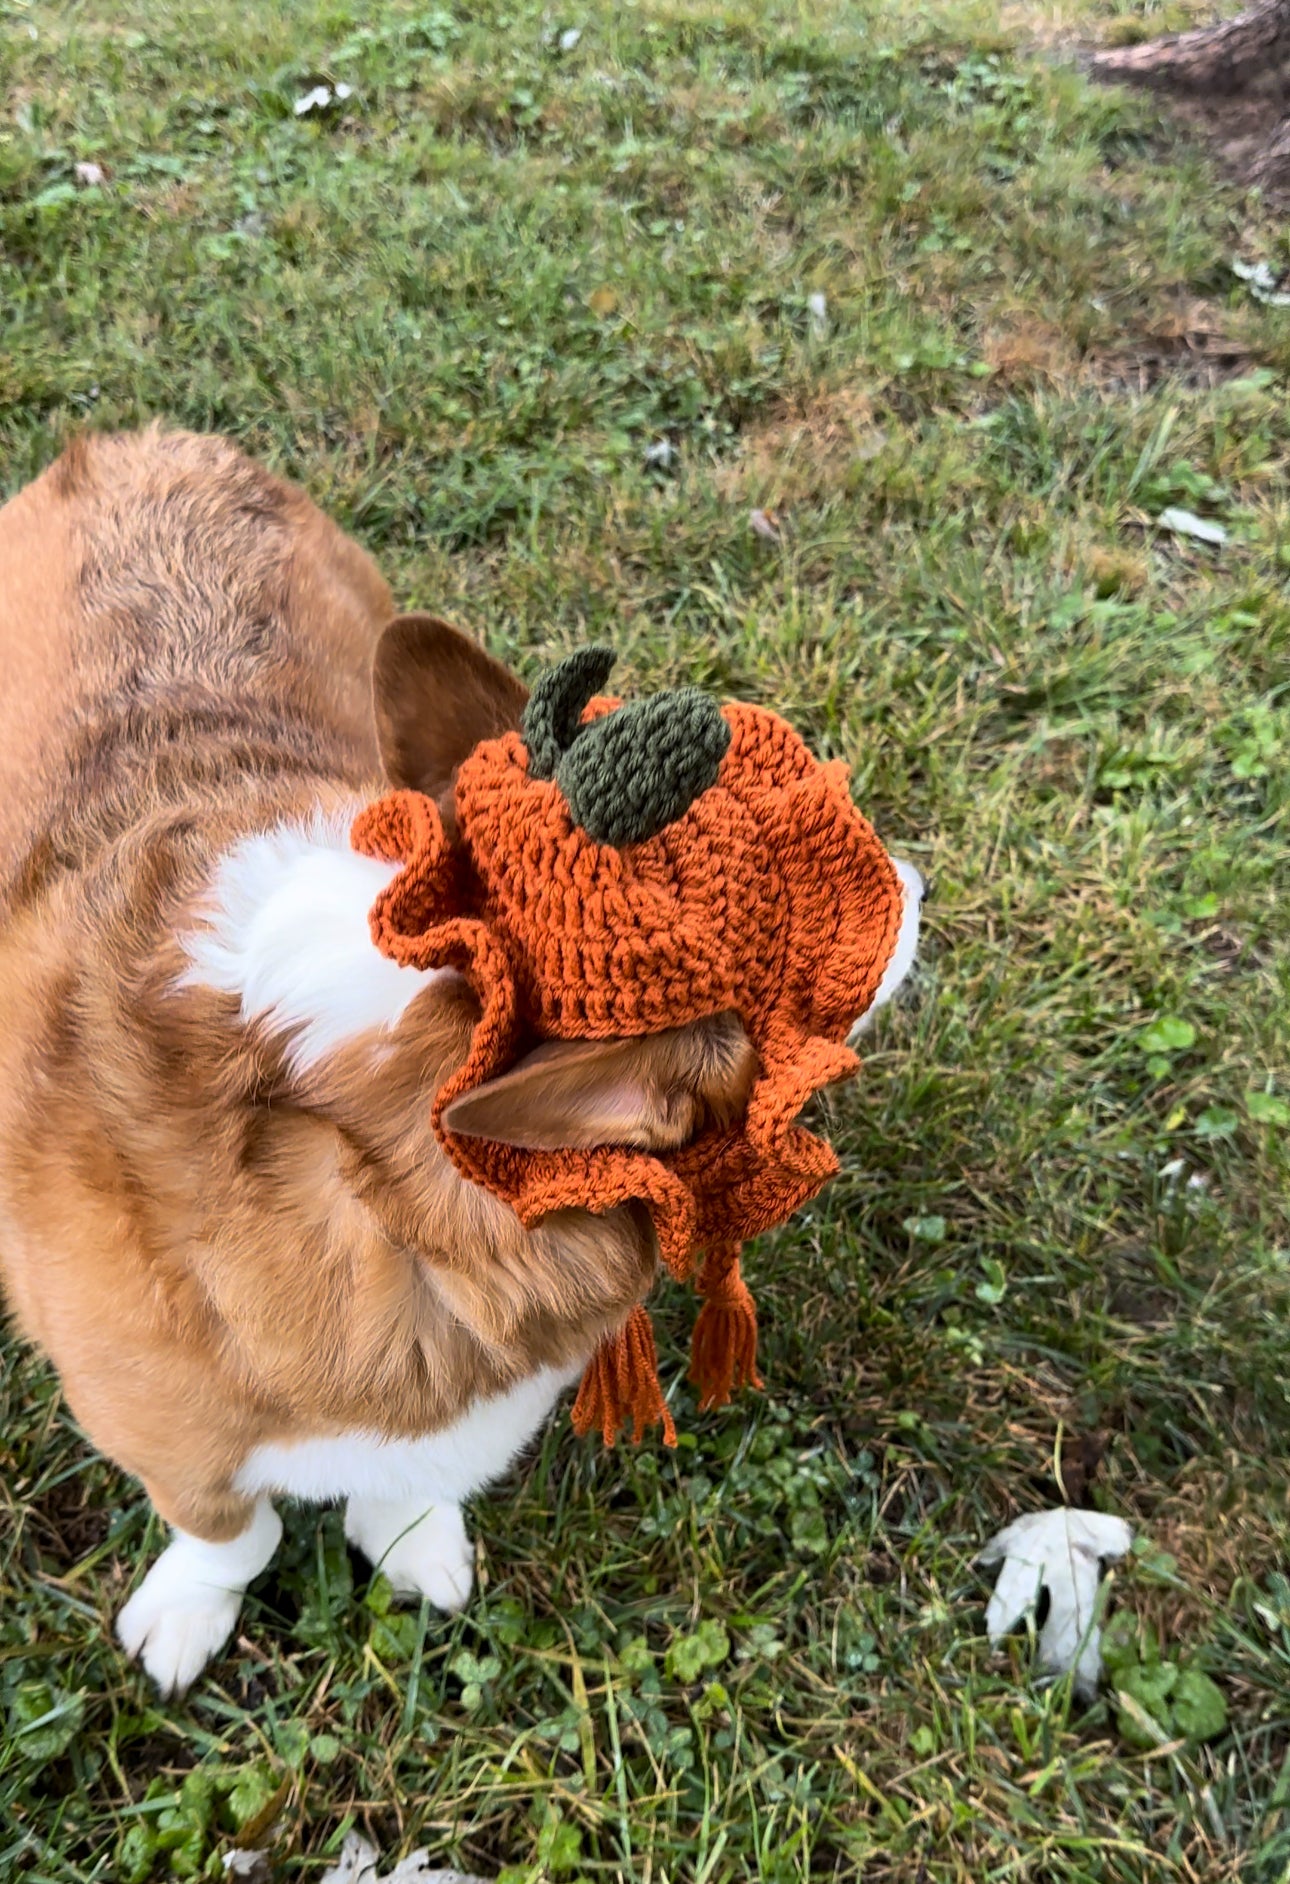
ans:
(444, 1467)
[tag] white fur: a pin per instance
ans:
(404, 1496)
(443, 1468)
(185, 1609)
(288, 934)
(906, 949)
(422, 1549)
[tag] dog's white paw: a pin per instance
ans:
(174, 1635)
(185, 1609)
(423, 1551)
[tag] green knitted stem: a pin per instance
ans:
(553, 717)
(629, 775)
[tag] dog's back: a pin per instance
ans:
(185, 657)
(174, 623)
(223, 1211)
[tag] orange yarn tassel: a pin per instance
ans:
(723, 1351)
(621, 1383)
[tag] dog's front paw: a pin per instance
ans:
(174, 1631)
(422, 1551)
(185, 1609)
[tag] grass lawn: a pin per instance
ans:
(536, 315)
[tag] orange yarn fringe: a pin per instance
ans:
(621, 1382)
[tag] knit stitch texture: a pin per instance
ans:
(768, 896)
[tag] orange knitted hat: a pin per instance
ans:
(622, 870)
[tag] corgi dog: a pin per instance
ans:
(224, 1214)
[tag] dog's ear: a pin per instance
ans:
(653, 1093)
(435, 695)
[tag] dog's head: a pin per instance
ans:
(441, 703)
(367, 1045)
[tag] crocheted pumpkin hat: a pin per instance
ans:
(624, 870)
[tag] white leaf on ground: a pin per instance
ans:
(1187, 523)
(89, 176)
(416, 1870)
(1059, 1551)
(359, 1862)
(321, 98)
(252, 1866)
(1262, 283)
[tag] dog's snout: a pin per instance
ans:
(912, 880)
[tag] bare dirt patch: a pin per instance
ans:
(1238, 130)
(804, 449)
(1190, 344)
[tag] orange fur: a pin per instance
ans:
(214, 1251)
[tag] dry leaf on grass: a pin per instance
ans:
(1059, 1551)
(1187, 523)
(359, 1861)
(252, 1867)
(1262, 283)
(322, 98)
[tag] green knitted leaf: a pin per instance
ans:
(553, 717)
(638, 770)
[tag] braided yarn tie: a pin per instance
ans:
(723, 1348)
